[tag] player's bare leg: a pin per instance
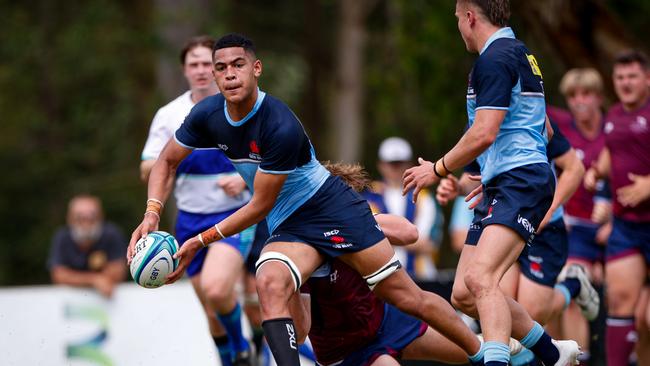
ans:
(484, 294)
(217, 330)
(434, 346)
(280, 271)
(400, 290)
(221, 272)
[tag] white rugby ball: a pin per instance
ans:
(153, 259)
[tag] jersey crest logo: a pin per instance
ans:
(534, 66)
(254, 148)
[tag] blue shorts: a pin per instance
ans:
(629, 238)
(397, 331)
(582, 244)
(542, 261)
(190, 224)
(518, 199)
(335, 221)
(261, 235)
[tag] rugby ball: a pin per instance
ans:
(153, 259)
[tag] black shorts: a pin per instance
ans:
(335, 221)
(518, 199)
(542, 261)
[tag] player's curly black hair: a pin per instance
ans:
(235, 40)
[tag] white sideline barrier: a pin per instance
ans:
(61, 325)
(55, 325)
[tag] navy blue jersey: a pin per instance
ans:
(270, 139)
(506, 77)
(558, 145)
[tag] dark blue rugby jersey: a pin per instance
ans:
(506, 77)
(270, 138)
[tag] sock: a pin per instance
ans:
(281, 335)
(540, 343)
(477, 359)
(565, 292)
(573, 285)
(306, 351)
(620, 338)
(224, 350)
(523, 358)
(496, 353)
(232, 323)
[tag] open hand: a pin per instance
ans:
(635, 193)
(184, 255)
(149, 223)
(418, 177)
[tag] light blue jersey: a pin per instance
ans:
(506, 77)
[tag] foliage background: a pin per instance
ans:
(80, 82)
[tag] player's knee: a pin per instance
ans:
(478, 282)
(620, 301)
(462, 300)
(216, 292)
(273, 281)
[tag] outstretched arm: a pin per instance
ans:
(476, 140)
(398, 230)
(161, 181)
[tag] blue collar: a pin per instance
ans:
(505, 32)
(258, 103)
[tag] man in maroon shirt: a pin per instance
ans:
(583, 127)
(626, 161)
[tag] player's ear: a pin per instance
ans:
(257, 68)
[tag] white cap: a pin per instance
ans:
(395, 149)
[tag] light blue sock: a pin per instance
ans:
(232, 323)
(565, 292)
(533, 336)
(496, 353)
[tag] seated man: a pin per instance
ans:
(88, 251)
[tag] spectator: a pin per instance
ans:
(88, 251)
(395, 157)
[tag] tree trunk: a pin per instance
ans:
(348, 99)
(177, 22)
